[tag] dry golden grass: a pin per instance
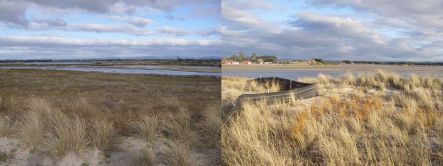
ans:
(179, 127)
(180, 155)
(384, 119)
(148, 157)
(6, 126)
(234, 87)
(32, 130)
(55, 130)
(101, 134)
(148, 128)
(211, 127)
(55, 113)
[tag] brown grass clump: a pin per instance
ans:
(361, 126)
(6, 126)
(101, 133)
(180, 155)
(59, 132)
(211, 127)
(179, 127)
(148, 157)
(147, 128)
(64, 133)
(32, 130)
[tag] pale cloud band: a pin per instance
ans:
(335, 29)
(329, 29)
(61, 29)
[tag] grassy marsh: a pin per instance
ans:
(59, 117)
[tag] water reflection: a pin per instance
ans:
(147, 69)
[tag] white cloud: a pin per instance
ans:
(312, 35)
(102, 28)
(136, 21)
(34, 47)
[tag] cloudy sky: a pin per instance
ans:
(68, 29)
(397, 30)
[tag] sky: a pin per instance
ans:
(80, 29)
(381, 30)
(386, 30)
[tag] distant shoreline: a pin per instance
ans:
(323, 67)
(113, 62)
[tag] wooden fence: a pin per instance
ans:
(289, 90)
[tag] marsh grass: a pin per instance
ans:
(148, 128)
(179, 127)
(102, 132)
(55, 113)
(6, 126)
(147, 157)
(211, 127)
(32, 130)
(52, 129)
(180, 155)
(363, 126)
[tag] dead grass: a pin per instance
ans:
(59, 112)
(211, 127)
(102, 133)
(179, 127)
(180, 155)
(148, 128)
(364, 126)
(6, 126)
(32, 130)
(148, 157)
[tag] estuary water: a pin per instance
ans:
(136, 69)
(295, 72)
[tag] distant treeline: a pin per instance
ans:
(253, 58)
(193, 62)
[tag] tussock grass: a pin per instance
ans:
(148, 128)
(362, 126)
(102, 133)
(147, 156)
(65, 133)
(6, 126)
(32, 130)
(180, 155)
(211, 127)
(54, 113)
(62, 133)
(69, 136)
(179, 127)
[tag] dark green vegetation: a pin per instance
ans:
(253, 58)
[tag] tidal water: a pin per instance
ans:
(145, 69)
